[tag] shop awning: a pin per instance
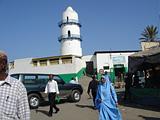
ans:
(144, 59)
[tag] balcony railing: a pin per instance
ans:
(69, 21)
(72, 36)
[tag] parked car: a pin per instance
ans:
(35, 85)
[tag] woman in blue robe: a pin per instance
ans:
(106, 100)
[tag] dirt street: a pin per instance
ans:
(83, 110)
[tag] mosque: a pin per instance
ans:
(71, 62)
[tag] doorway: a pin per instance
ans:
(89, 68)
(119, 72)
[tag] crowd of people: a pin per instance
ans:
(14, 101)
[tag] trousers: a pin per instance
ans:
(51, 97)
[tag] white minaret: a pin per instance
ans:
(70, 38)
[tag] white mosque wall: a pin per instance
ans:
(88, 58)
(74, 29)
(79, 64)
(26, 66)
(69, 12)
(102, 60)
(71, 47)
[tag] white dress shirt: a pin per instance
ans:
(52, 87)
(1, 82)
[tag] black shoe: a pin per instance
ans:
(94, 108)
(57, 110)
(50, 115)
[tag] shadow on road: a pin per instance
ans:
(135, 104)
(148, 118)
(42, 111)
(84, 106)
(46, 103)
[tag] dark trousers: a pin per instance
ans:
(51, 97)
(127, 94)
(94, 97)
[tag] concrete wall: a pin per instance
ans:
(26, 66)
(110, 59)
(147, 45)
(88, 58)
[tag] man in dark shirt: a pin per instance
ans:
(93, 88)
(128, 84)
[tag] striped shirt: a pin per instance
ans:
(13, 100)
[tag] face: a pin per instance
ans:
(3, 63)
(103, 80)
(50, 77)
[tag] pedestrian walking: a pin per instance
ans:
(106, 100)
(52, 90)
(92, 87)
(128, 84)
(13, 96)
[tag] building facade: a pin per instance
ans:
(71, 62)
(114, 62)
(66, 67)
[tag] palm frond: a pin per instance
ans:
(150, 33)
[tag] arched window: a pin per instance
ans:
(67, 18)
(69, 33)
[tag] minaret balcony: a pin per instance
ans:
(69, 22)
(72, 36)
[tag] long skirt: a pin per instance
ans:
(107, 113)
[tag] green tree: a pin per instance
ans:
(150, 34)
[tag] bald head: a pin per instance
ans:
(3, 62)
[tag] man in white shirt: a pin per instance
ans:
(52, 90)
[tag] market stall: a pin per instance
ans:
(147, 91)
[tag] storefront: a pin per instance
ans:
(114, 62)
(148, 63)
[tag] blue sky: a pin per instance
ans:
(29, 28)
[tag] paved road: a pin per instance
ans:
(83, 110)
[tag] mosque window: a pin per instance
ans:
(69, 33)
(43, 62)
(106, 67)
(35, 63)
(54, 61)
(67, 19)
(66, 60)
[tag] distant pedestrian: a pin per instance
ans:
(73, 80)
(93, 84)
(106, 101)
(136, 80)
(128, 84)
(52, 90)
(13, 96)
